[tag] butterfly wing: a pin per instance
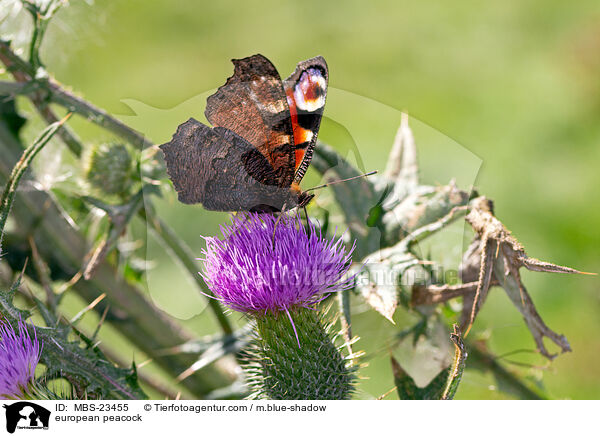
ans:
(306, 91)
(221, 170)
(253, 104)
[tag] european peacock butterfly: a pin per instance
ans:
(261, 143)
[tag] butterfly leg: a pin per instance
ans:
(237, 219)
(276, 223)
(305, 213)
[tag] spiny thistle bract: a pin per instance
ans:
(276, 272)
(19, 356)
(278, 369)
(108, 168)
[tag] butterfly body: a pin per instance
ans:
(261, 143)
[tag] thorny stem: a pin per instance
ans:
(97, 116)
(22, 72)
(135, 317)
(428, 230)
(185, 256)
(147, 378)
(436, 294)
(42, 271)
(7, 198)
(485, 277)
(41, 13)
(458, 365)
(13, 88)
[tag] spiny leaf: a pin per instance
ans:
(501, 256)
(7, 310)
(86, 368)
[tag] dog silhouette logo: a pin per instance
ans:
(26, 415)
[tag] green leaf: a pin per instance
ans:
(408, 390)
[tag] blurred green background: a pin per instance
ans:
(513, 86)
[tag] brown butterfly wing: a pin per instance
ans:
(252, 103)
(221, 170)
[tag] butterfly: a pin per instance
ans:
(261, 143)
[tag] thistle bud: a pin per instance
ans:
(108, 168)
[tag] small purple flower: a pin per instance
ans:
(19, 356)
(262, 266)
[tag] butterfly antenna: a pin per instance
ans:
(335, 182)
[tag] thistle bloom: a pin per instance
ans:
(19, 356)
(262, 265)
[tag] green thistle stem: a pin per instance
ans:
(279, 369)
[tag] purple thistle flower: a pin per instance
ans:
(262, 266)
(19, 356)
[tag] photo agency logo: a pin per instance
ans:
(24, 415)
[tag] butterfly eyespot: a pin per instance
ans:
(309, 92)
